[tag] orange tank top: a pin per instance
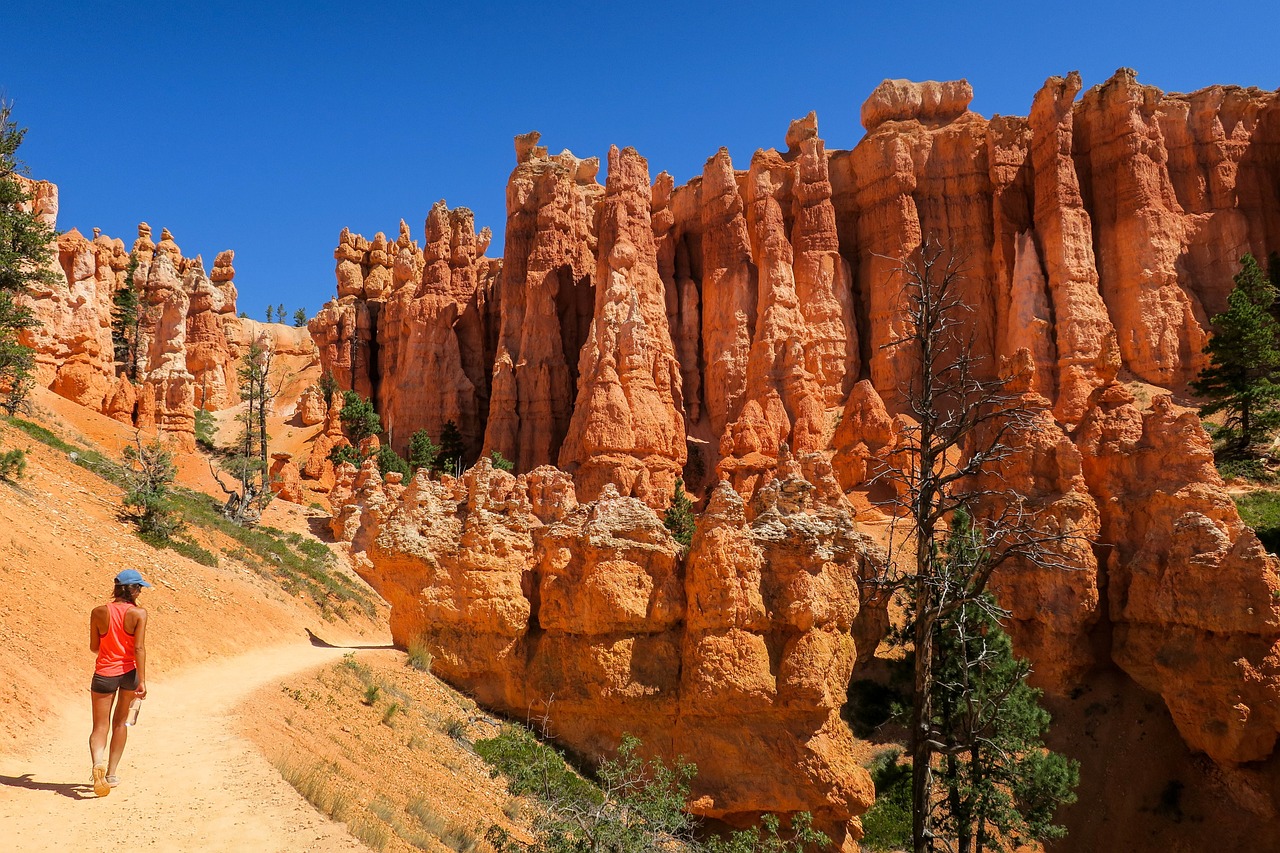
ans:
(115, 649)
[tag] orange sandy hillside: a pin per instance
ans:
(61, 542)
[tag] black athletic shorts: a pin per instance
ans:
(112, 683)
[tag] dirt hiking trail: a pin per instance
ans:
(187, 780)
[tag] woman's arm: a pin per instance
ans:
(140, 652)
(95, 636)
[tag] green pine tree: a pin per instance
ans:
(422, 451)
(679, 518)
(997, 779)
(25, 260)
(359, 420)
(1244, 361)
(449, 460)
(126, 319)
(300, 318)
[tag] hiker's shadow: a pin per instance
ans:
(71, 790)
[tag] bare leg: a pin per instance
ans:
(119, 731)
(101, 726)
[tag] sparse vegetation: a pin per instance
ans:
(13, 464)
(501, 462)
(206, 429)
(420, 657)
(887, 824)
(150, 473)
(389, 461)
(359, 420)
(449, 459)
(636, 805)
(1261, 511)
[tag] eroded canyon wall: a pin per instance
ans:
(189, 338)
(634, 332)
(1100, 233)
(589, 615)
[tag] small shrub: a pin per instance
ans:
(422, 451)
(532, 767)
(456, 729)
(389, 714)
(501, 462)
(420, 657)
(150, 474)
(371, 693)
(13, 464)
(359, 420)
(887, 824)
(345, 453)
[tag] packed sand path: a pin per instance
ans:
(187, 780)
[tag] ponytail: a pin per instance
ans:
(126, 592)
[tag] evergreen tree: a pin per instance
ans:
(1244, 361)
(126, 321)
(359, 420)
(449, 460)
(271, 312)
(997, 780)
(280, 315)
(300, 318)
(328, 387)
(422, 451)
(679, 518)
(389, 460)
(25, 260)
(501, 462)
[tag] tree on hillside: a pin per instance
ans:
(1241, 380)
(25, 260)
(422, 451)
(280, 317)
(126, 321)
(359, 420)
(964, 426)
(449, 459)
(300, 318)
(247, 460)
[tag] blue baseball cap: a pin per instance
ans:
(130, 577)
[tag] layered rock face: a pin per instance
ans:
(413, 328)
(1100, 234)
(189, 337)
(737, 655)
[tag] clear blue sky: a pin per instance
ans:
(268, 128)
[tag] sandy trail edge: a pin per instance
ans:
(188, 782)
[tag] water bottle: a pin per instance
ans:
(134, 707)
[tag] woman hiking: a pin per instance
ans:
(117, 632)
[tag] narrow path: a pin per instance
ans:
(188, 782)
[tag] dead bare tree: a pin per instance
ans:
(965, 423)
(248, 462)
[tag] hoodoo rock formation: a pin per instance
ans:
(633, 333)
(737, 655)
(190, 340)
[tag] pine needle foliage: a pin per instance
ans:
(679, 517)
(1244, 361)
